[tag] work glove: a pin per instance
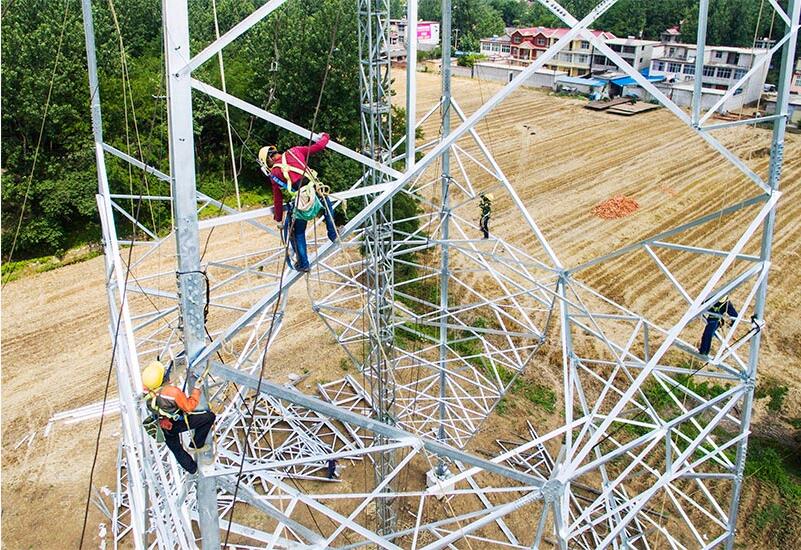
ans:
(198, 385)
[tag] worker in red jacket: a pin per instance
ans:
(287, 172)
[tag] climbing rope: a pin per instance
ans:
(290, 227)
(227, 113)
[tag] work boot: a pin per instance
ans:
(302, 268)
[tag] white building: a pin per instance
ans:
(723, 67)
(637, 53)
(496, 47)
(427, 34)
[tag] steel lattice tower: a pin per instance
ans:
(433, 368)
(376, 118)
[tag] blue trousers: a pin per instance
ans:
(712, 325)
(298, 238)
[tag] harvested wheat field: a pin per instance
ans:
(592, 181)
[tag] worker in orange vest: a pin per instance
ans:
(176, 414)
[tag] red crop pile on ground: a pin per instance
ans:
(616, 207)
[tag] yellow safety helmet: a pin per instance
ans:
(153, 375)
(490, 197)
(266, 152)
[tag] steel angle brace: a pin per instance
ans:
(290, 126)
(405, 179)
(332, 411)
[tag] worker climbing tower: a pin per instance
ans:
(441, 325)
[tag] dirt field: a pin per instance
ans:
(562, 159)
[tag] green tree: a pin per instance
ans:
(475, 19)
(513, 12)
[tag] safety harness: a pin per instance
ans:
(718, 311)
(160, 419)
(307, 204)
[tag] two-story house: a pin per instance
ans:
(637, 53)
(723, 67)
(575, 58)
(427, 37)
(496, 47)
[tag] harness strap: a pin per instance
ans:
(154, 406)
(286, 168)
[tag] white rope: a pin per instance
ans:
(227, 113)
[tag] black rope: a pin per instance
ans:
(108, 382)
(290, 226)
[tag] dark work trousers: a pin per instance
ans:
(298, 237)
(712, 325)
(484, 225)
(713, 321)
(201, 422)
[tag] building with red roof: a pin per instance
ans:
(527, 44)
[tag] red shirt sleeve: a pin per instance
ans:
(314, 148)
(278, 203)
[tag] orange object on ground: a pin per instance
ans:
(616, 207)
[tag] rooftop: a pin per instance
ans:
(578, 81)
(558, 32)
(632, 42)
(719, 48)
(496, 38)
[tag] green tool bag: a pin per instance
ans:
(307, 205)
(152, 428)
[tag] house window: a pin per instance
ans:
(674, 67)
(629, 49)
(724, 72)
(540, 41)
(516, 39)
(659, 65)
(671, 52)
(718, 54)
(616, 47)
(689, 69)
(585, 45)
(582, 59)
(600, 60)
(709, 71)
(505, 48)
(739, 73)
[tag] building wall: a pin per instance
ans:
(719, 72)
(574, 59)
(683, 97)
(504, 74)
(639, 58)
(793, 108)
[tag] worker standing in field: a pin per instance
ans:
(716, 316)
(290, 174)
(176, 413)
(486, 210)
